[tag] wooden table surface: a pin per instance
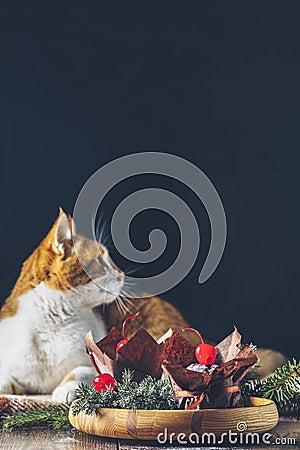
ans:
(45, 439)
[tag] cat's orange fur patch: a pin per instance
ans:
(10, 308)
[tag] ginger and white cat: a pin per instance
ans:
(51, 308)
(54, 304)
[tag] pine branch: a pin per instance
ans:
(283, 387)
(54, 416)
(150, 393)
(284, 384)
(88, 400)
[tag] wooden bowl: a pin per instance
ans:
(261, 416)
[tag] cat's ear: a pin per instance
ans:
(62, 234)
(72, 225)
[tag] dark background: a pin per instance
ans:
(217, 84)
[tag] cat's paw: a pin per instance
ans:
(66, 391)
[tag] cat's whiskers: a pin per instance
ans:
(132, 270)
(124, 301)
(118, 305)
(100, 227)
(128, 283)
(125, 296)
(103, 235)
(127, 300)
(122, 307)
(127, 292)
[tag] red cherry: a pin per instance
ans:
(205, 353)
(104, 381)
(121, 343)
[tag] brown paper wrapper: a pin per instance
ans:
(101, 361)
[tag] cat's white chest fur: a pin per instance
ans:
(45, 339)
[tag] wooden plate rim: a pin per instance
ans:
(265, 402)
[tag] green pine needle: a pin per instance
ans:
(150, 393)
(54, 416)
(284, 384)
